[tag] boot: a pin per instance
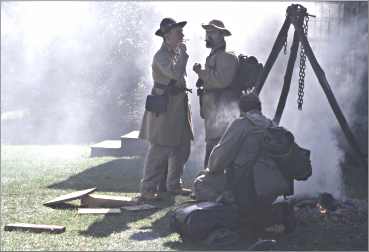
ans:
(181, 191)
(147, 197)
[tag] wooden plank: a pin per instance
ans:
(34, 228)
(105, 201)
(99, 211)
(100, 152)
(109, 144)
(139, 207)
(69, 196)
(133, 135)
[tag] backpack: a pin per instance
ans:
(248, 71)
(279, 144)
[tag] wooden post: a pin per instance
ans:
(277, 47)
(287, 79)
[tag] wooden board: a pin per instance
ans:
(34, 228)
(69, 196)
(105, 201)
(139, 207)
(99, 211)
(109, 144)
(132, 135)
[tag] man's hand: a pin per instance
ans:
(196, 67)
(199, 83)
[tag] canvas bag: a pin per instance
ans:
(293, 161)
(248, 72)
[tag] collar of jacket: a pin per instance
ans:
(253, 111)
(220, 47)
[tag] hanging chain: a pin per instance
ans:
(300, 99)
(285, 46)
(285, 43)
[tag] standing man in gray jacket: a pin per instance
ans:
(169, 132)
(215, 83)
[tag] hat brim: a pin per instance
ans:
(214, 27)
(180, 24)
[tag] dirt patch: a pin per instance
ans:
(346, 228)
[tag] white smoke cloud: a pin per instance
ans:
(60, 42)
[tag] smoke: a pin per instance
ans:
(78, 69)
(79, 72)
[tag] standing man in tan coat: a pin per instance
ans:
(169, 132)
(217, 98)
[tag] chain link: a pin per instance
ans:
(285, 43)
(300, 99)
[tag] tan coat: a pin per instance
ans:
(174, 126)
(220, 69)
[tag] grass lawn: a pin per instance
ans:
(32, 175)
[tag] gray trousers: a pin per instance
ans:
(154, 170)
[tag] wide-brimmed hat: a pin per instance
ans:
(167, 24)
(217, 25)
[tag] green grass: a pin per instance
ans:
(32, 175)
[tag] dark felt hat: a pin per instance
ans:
(167, 24)
(217, 25)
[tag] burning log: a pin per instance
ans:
(326, 203)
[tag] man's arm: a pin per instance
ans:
(226, 150)
(223, 74)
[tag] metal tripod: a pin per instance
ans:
(295, 15)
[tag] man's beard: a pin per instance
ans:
(209, 43)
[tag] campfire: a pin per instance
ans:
(326, 203)
(322, 210)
